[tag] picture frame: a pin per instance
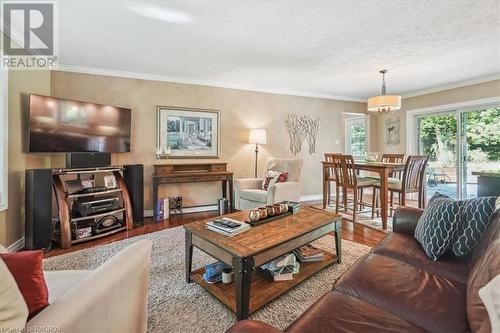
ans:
(392, 131)
(187, 133)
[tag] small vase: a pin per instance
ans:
(262, 213)
(284, 207)
(253, 215)
(270, 211)
(277, 209)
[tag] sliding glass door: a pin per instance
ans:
(437, 137)
(459, 143)
(480, 146)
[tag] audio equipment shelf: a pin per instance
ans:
(82, 195)
(64, 171)
(76, 229)
(88, 217)
(76, 241)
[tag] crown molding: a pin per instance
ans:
(459, 84)
(218, 84)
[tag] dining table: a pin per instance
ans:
(383, 169)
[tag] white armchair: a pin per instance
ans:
(248, 192)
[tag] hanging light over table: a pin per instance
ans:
(384, 103)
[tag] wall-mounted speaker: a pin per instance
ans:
(134, 179)
(87, 160)
(38, 209)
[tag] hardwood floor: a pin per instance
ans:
(353, 232)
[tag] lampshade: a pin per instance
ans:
(384, 103)
(257, 136)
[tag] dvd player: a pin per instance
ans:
(91, 207)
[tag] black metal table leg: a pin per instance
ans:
(243, 268)
(338, 240)
(189, 256)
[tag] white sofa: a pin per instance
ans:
(248, 192)
(112, 298)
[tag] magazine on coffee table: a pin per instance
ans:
(309, 253)
(227, 226)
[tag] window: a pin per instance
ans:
(3, 138)
(355, 131)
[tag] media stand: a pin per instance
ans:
(98, 222)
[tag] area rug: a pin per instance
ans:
(176, 306)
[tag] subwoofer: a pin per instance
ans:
(134, 179)
(87, 160)
(38, 209)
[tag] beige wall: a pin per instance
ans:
(12, 220)
(457, 95)
(240, 110)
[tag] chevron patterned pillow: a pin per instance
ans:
(437, 225)
(474, 218)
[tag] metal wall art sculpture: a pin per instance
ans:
(302, 127)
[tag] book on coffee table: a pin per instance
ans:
(282, 277)
(309, 253)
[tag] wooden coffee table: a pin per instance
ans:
(252, 288)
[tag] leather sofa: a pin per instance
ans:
(397, 288)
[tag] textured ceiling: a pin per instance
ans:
(331, 48)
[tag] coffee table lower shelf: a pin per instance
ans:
(262, 289)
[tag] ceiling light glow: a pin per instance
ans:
(160, 13)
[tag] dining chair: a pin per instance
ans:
(329, 176)
(347, 178)
(394, 158)
(412, 181)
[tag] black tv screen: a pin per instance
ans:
(61, 125)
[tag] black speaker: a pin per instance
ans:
(134, 179)
(38, 209)
(87, 160)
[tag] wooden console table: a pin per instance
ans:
(191, 173)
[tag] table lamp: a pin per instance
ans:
(258, 137)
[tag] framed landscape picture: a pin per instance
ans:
(187, 133)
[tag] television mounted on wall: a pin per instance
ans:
(62, 125)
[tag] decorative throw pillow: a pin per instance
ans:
(437, 225)
(272, 177)
(26, 268)
(13, 308)
(474, 218)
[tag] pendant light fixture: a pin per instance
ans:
(384, 103)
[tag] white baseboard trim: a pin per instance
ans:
(311, 197)
(208, 208)
(149, 213)
(16, 246)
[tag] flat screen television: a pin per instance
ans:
(61, 125)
